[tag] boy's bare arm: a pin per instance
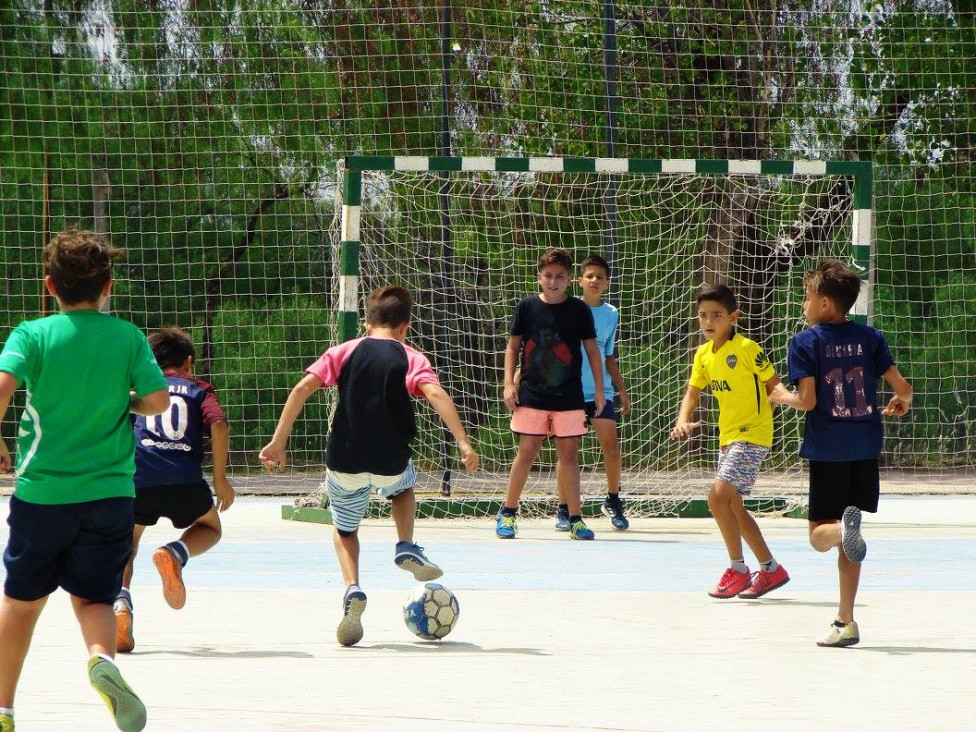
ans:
(595, 357)
(219, 447)
(613, 368)
(273, 455)
(510, 388)
(683, 426)
(804, 398)
(8, 385)
(155, 402)
(901, 402)
(442, 403)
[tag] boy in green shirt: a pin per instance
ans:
(71, 512)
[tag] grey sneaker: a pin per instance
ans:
(411, 558)
(562, 519)
(840, 635)
(350, 630)
(850, 535)
(127, 709)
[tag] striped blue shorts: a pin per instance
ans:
(349, 493)
(739, 463)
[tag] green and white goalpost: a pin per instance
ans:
(464, 233)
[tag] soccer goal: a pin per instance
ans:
(464, 233)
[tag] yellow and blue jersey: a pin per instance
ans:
(737, 374)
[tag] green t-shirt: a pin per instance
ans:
(75, 442)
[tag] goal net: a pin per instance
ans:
(466, 239)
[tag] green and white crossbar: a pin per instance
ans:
(862, 237)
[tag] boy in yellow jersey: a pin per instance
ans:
(740, 376)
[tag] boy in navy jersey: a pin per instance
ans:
(740, 376)
(836, 365)
(368, 448)
(169, 475)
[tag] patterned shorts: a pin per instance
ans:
(349, 493)
(739, 463)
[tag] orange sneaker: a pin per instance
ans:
(731, 584)
(171, 572)
(763, 582)
(124, 642)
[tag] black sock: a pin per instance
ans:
(506, 511)
(574, 519)
(563, 508)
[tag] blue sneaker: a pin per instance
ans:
(579, 530)
(350, 630)
(505, 527)
(850, 535)
(411, 558)
(127, 709)
(562, 519)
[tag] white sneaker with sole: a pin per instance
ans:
(840, 636)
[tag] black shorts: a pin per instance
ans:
(609, 411)
(80, 547)
(181, 503)
(835, 486)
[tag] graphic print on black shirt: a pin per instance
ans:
(552, 358)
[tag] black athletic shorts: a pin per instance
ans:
(181, 503)
(835, 486)
(80, 547)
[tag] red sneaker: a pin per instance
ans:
(731, 584)
(763, 582)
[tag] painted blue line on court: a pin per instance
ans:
(637, 566)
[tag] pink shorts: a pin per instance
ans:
(528, 421)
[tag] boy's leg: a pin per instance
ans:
(347, 552)
(612, 507)
(125, 641)
(567, 460)
(98, 629)
(528, 450)
(721, 499)
(203, 534)
(850, 576)
(408, 555)
(749, 530)
(17, 621)
(606, 433)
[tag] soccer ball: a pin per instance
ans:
(431, 611)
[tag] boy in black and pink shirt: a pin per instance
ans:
(169, 474)
(368, 448)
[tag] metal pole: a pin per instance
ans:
(444, 202)
(610, 129)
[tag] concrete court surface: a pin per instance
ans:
(614, 634)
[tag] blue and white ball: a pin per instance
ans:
(431, 611)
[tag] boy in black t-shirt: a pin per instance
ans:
(544, 345)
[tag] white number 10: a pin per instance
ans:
(171, 424)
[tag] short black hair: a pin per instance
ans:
(171, 346)
(720, 294)
(389, 306)
(595, 260)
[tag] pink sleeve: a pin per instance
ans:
(329, 365)
(419, 372)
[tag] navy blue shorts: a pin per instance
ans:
(609, 411)
(80, 547)
(182, 503)
(835, 486)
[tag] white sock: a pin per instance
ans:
(739, 565)
(9, 711)
(104, 658)
(770, 566)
